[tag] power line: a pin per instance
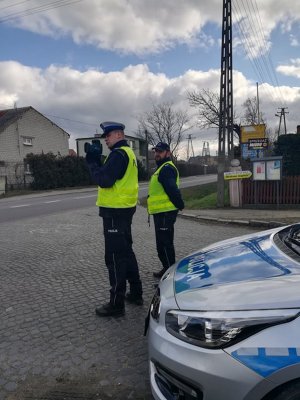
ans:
(266, 55)
(13, 5)
(70, 120)
(37, 9)
(8, 107)
(255, 44)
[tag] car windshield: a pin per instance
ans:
(291, 237)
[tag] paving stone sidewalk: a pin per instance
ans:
(52, 345)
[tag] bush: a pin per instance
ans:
(51, 172)
(190, 169)
(288, 146)
(142, 173)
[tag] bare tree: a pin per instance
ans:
(164, 124)
(207, 103)
(250, 116)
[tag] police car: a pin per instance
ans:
(224, 322)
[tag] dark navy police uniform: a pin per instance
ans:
(164, 222)
(119, 256)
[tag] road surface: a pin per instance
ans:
(27, 206)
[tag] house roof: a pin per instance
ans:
(9, 116)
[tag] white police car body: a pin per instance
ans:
(225, 321)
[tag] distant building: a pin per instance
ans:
(72, 153)
(138, 145)
(23, 131)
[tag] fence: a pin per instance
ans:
(286, 191)
(15, 175)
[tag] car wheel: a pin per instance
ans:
(289, 392)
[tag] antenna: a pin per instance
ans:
(205, 149)
(190, 144)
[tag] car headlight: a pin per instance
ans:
(221, 329)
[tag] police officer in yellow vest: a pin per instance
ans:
(117, 181)
(164, 201)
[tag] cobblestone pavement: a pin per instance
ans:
(52, 345)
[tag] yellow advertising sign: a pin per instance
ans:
(237, 175)
(253, 132)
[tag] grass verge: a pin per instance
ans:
(197, 197)
(203, 196)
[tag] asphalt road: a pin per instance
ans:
(27, 206)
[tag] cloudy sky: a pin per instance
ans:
(80, 62)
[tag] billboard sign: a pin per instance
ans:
(252, 132)
(246, 152)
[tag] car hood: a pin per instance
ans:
(249, 272)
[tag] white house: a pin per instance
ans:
(23, 131)
(138, 145)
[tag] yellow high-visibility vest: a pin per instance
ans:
(158, 201)
(124, 193)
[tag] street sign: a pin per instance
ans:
(258, 144)
(237, 175)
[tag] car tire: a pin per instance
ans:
(290, 391)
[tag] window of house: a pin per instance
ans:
(132, 144)
(27, 169)
(27, 141)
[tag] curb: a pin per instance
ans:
(252, 222)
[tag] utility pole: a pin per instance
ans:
(282, 115)
(226, 100)
(17, 128)
(257, 99)
(205, 156)
(147, 154)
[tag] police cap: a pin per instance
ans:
(162, 146)
(110, 126)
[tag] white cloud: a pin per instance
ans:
(130, 26)
(140, 26)
(291, 70)
(92, 96)
(294, 41)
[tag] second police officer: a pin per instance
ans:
(164, 201)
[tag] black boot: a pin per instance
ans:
(160, 273)
(110, 310)
(134, 299)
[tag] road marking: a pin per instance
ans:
(84, 197)
(51, 201)
(21, 205)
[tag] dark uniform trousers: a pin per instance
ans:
(120, 258)
(164, 234)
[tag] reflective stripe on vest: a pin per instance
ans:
(158, 201)
(124, 193)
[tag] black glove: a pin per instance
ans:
(93, 157)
